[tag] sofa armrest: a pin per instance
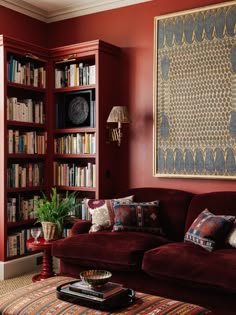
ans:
(81, 226)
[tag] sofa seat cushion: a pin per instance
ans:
(191, 264)
(110, 250)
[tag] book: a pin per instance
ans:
(108, 289)
(82, 295)
(92, 298)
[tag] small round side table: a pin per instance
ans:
(47, 266)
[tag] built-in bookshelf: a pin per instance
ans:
(55, 103)
(84, 91)
(23, 132)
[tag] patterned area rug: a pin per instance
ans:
(9, 285)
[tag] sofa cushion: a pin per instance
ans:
(219, 203)
(231, 236)
(189, 264)
(209, 230)
(174, 205)
(137, 216)
(106, 249)
(102, 212)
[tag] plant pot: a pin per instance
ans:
(50, 231)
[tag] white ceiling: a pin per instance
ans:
(55, 10)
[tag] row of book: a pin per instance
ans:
(77, 143)
(75, 75)
(67, 232)
(25, 110)
(16, 242)
(26, 73)
(81, 212)
(30, 142)
(73, 175)
(25, 175)
(22, 207)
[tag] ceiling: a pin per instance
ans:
(55, 10)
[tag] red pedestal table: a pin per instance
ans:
(47, 267)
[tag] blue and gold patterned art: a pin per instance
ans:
(195, 93)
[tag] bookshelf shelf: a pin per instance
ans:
(24, 255)
(26, 156)
(21, 223)
(78, 188)
(24, 86)
(74, 156)
(75, 88)
(25, 124)
(74, 130)
(26, 189)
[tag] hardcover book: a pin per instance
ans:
(103, 292)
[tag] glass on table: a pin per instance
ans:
(35, 232)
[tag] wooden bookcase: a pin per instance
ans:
(23, 144)
(84, 89)
(54, 107)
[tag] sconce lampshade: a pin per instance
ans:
(119, 114)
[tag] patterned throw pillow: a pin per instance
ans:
(102, 212)
(142, 217)
(231, 236)
(209, 230)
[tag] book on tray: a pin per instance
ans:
(105, 291)
(95, 299)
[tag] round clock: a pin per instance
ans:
(78, 110)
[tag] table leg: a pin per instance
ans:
(47, 267)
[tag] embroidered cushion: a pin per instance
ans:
(209, 230)
(142, 217)
(231, 236)
(102, 212)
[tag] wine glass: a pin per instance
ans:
(35, 232)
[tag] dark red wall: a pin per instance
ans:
(132, 29)
(22, 27)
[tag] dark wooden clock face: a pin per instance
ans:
(78, 110)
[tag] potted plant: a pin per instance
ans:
(52, 213)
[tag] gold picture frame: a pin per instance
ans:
(195, 93)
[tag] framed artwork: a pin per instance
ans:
(76, 110)
(195, 93)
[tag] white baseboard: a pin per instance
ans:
(19, 266)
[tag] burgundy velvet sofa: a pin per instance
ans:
(165, 266)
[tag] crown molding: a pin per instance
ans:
(80, 9)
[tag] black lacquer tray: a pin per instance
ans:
(116, 301)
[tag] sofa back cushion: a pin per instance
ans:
(209, 230)
(219, 203)
(173, 207)
(137, 216)
(102, 213)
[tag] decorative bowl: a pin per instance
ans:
(95, 278)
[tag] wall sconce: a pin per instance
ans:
(120, 115)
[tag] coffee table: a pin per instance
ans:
(47, 266)
(40, 298)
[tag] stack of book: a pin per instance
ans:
(110, 290)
